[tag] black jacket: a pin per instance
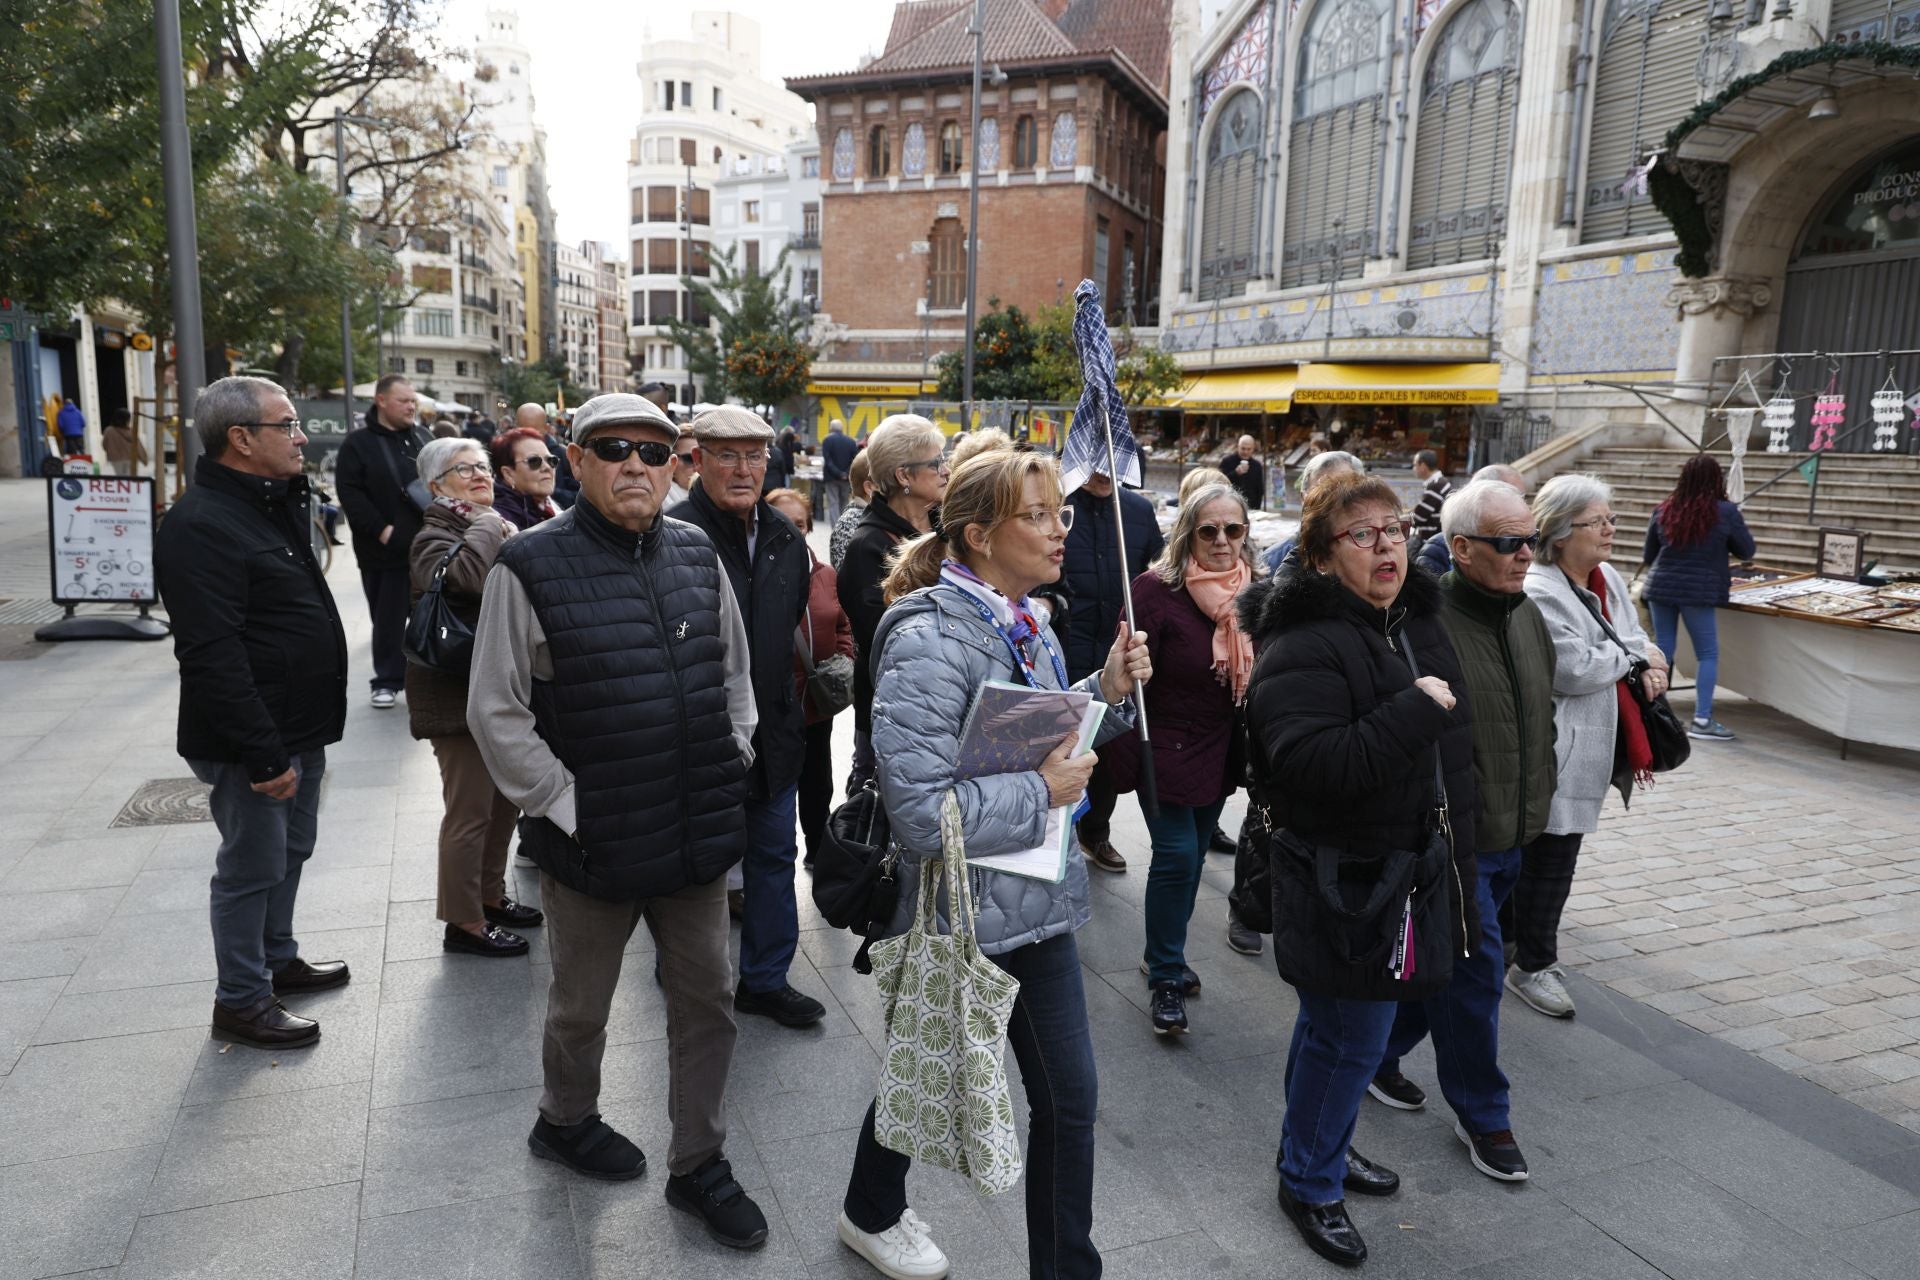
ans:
(1094, 576)
(1252, 485)
(372, 473)
(263, 659)
(862, 571)
(1346, 743)
(772, 593)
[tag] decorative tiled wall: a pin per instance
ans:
(1457, 307)
(1606, 315)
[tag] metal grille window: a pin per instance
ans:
(1333, 179)
(1229, 202)
(1464, 142)
(1646, 82)
(948, 270)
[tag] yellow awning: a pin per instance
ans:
(1398, 384)
(891, 390)
(1238, 391)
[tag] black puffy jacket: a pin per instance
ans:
(863, 571)
(372, 473)
(263, 659)
(1346, 742)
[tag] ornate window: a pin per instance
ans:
(879, 152)
(987, 150)
(913, 152)
(1644, 84)
(1064, 150)
(1333, 180)
(843, 155)
(953, 157)
(947, 266)
(1464, 141)
(1026, 143)
(1244, 59)
(1230, 198)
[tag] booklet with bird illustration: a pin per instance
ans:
(1012, 728)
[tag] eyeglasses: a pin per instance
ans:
(1607, 521)
(617, 449)
(538, 461)
(1211, 532)
(1365, 535)
(291, 426)
(467, 471)
(939, 464)
(1044, 518)
(731, 458)
(1505, 543)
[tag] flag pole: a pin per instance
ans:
(1149, 792)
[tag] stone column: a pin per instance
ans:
(1713, 313)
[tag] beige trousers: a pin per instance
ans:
(475, 832)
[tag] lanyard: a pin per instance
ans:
(1020, 659)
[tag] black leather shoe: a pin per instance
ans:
(493, 941)
(301, 976)
(1326, 1229)
(515, 915)
(711, 1194)
(1366, 1178)
(264, 1025)
(785, 1006)
(1221, 842)
(592, 1147)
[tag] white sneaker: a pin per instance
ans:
(1543, 990)
(901, 1252)
(383, 699)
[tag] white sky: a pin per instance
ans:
(587, 95)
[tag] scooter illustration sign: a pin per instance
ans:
(102, 533)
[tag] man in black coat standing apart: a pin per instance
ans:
(376, 463)
(263, 693)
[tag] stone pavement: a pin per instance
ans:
(132, 1146)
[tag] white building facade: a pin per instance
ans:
(764, 204)
(576, 280)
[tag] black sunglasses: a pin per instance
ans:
(537, 461)
(617, 449)
(1506, 543)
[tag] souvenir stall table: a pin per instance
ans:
(1833, 653)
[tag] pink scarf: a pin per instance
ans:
(1215, 593)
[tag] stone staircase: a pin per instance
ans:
(1878, 494)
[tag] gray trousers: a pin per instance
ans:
(264, 844)
(587, 938)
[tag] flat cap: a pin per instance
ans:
(620, 408)
(730, 422)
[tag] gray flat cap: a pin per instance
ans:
(620, 408)
(730, 422)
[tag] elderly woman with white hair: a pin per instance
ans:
(908, 469)
(1598, 646)
(1321, 466)
(461, 534)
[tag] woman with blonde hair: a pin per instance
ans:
(971, 444)
(1200, 478)
(960, 615)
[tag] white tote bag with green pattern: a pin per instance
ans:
(943, 1095)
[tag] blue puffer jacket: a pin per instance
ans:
(934, 652)
(1701, 573)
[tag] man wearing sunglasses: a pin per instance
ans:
(612, 702)
(1507, 656)
(766, 561)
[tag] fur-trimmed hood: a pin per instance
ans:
(1298, 595)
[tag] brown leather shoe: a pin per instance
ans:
(265, 1025)
(1104, 856)
(301, 976)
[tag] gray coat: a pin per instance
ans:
(1586, 710)
(934, 652)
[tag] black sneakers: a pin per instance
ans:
(1495, 1154)
(711, 1194)
(785, 1006)
(1169, 1009)
(592, 1147)
(1189, 980)
(1397, 1091)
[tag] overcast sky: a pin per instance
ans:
(587, 93)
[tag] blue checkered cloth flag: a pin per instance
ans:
(1086, 450)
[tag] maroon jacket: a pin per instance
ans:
(1189, 712)
(830, 632)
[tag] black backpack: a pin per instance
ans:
(855, 880)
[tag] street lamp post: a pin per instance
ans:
(979, 33)
(183, 241)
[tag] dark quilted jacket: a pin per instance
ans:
(1701, 573)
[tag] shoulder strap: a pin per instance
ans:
(803, 642)
(1601, 618)
(1439, 773)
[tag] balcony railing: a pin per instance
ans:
(479, 303)
(805, 240)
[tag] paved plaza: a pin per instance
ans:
(1739, 1096)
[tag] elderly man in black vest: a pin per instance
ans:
(612, 702)
(766, 560)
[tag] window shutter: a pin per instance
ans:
(1646, 83)
(1462, 149)
(1229, 217)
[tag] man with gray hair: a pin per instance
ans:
(263, 693)
(1434, 556)
(1320, 466)
(1507, 656)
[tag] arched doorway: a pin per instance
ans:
(1853, 283)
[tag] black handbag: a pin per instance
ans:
(829, 683)
(1665, 734)
(856, 884)
(436, 636)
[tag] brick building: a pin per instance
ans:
(1070, 156)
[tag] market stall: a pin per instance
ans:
(1383, 414)
(1837, 654)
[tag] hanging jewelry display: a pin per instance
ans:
(1779, 418)
(1889, 411)
(1829, 411)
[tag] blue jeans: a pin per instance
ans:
(1704, 629)
(264, 844)
(770, 920)
(1053, 1046)
(1180, 837)
(1335, 1052)
(1465, 1018)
